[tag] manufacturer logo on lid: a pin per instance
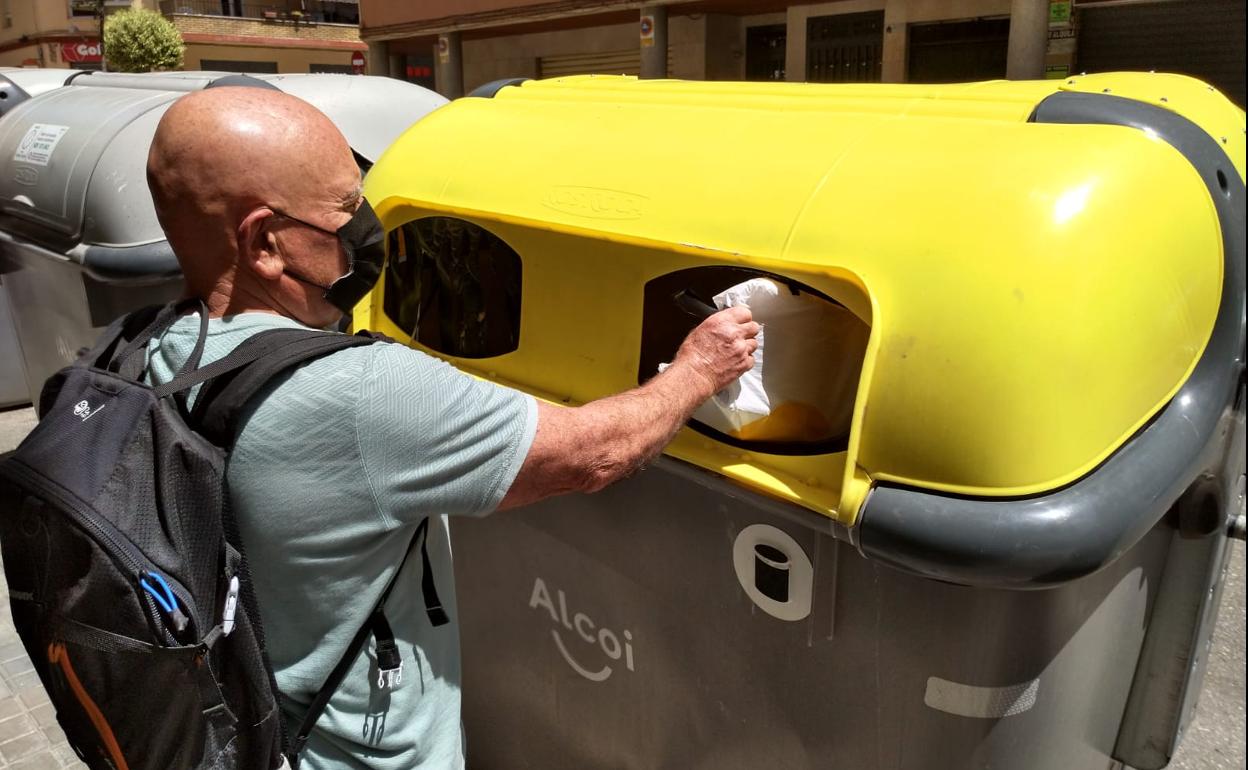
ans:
(595, 203)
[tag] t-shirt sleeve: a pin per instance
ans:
(434, 440)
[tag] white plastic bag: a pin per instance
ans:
(805, 374)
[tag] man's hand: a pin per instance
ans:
(586, 448)
(721, 348)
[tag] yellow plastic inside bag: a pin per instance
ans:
(790, 421)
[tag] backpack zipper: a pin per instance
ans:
(116, 544)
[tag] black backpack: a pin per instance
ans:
(127, 577)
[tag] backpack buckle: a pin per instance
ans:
(390, 678)
(389, 664)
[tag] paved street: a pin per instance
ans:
(30, 739)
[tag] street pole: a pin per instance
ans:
(654, 41)
(1029, 39)
(448, 69)
(99, 17)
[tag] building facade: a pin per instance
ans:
(465, 43)
(225, 35)
(50, 33)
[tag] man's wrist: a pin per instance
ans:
(685, 383)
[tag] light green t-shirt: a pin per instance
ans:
(333, 470)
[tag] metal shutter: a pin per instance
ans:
(1202, 38)
(957, 51)
(626, 62)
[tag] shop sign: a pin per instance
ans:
(647, 31)
(1061, 42)
(444, 49)
(81, 51)
(1059, 13)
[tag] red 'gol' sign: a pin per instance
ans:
(83, 51)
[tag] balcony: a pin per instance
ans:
(284, 13)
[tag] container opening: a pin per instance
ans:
(800, 401)
(454, 287)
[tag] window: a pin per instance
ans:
(454, 287)
(337, 12)
(812, 360)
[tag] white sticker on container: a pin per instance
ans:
(39, 143)
(774, 571)
(967, 700)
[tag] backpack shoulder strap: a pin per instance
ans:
(377, 626)
(118, 334)
(233, 380)
(142, 326)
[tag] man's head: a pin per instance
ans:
(250, 185)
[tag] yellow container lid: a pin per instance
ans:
(1035, 292)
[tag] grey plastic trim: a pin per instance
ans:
(141, 81)
(128, 264)
(233, 81)
(1045, 540)
(69, 81)
(11, 95)
(490, 89)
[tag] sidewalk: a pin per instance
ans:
(29, 736)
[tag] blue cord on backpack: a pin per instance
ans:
(167, 601)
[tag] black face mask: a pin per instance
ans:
(364, 241)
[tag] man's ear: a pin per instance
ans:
(258, 251)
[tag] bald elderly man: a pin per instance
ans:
(336, 466)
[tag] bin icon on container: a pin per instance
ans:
(79, 241)
(1004, 546)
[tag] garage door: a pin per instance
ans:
(1203, 38)
(626, 62)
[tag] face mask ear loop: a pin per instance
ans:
(304, 280)
(363, 239)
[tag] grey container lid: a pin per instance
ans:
(73, 160)
(35, 81)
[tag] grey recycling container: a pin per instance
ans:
(13, 388)
(79, 239)
(1001, 546)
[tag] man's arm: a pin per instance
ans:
(585, 448)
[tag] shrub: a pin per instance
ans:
(139, 40)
